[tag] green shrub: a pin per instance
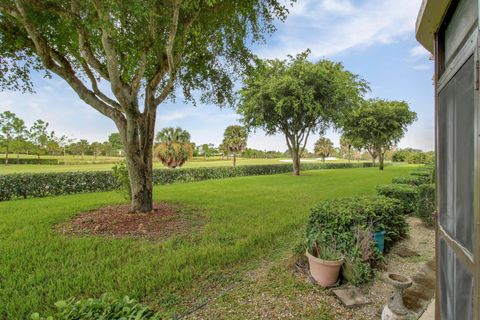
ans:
(406, 194)
(106, 308)
(120, 172)
(427, 174)
(416, 158)
(426, 203)
(29, 161)
(342, 219)
(412, 180)
(17, 186)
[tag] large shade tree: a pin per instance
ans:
(377, 125)
(124, 58)
(297, 97)
(235, 141)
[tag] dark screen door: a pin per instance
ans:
(456, 160)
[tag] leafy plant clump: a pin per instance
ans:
(106, 307)
(119, 171)
(347, 221)
(406, 194)
(324, 249)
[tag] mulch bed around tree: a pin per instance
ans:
(164, 221)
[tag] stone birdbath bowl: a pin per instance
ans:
(399, 283)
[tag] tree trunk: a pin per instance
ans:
(295, 161)
(137, 134)
(381, 159)
(234, 159)
(140, 175)
(6, 156)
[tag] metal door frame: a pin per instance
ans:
(469, 48)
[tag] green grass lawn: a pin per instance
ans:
(248, 220)
(27, 168)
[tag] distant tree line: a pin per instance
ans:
(414, 156)
(16, 138)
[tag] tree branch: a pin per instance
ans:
(118, 87)
(60, 65)
(171, 37)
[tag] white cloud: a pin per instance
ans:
(173, 116)
(329, 27)
(422, 67)
(419, 52)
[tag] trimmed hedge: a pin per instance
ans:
(426, 174)
(339, 219)
(17, 186)
(426, 203)
(411, 180)
(29, 161)
(406, 194)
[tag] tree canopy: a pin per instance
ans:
(145, 51)
(298, 97)
(377, 125)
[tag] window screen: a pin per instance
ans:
(456, 155)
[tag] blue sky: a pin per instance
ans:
(372, 38)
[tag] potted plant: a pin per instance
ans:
(325, 262)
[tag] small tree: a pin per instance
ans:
(174, 147)
(297, 97)
(115, 142)
(207, 150)
(39, 136)
(12, 133)
(377, 125)
(323, 147)
(96, 148)
(235, 141)
(83, 146)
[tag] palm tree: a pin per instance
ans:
(173, 147)
(235, 141)
(323, 147)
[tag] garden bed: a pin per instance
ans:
(162, 222)
(275, 291)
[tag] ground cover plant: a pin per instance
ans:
(106, 307)
(247, 219)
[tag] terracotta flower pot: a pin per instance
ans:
(324, 272)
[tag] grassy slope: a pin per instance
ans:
(247, 219)
(26, 168)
